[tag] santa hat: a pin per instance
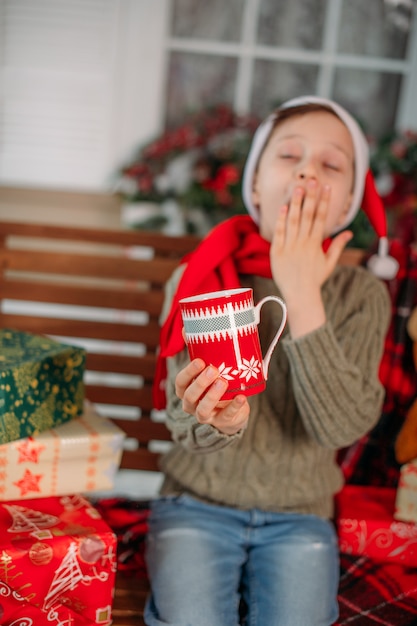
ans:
(364, 193)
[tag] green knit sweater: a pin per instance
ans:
(322, 394)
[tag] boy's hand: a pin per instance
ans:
(200, 388)
(299, 264)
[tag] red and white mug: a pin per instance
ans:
(221, 327)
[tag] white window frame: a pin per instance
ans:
(328, 59)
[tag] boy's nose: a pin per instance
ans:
(306, 171)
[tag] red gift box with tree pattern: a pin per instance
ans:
(57, 563)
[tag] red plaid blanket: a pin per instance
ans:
(372, 593)
(371, 461)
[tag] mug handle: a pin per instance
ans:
(266, 360)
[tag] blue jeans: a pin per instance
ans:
(203, 560)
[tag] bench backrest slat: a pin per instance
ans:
(101, 289)
(38, 291)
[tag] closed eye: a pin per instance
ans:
(332, 166)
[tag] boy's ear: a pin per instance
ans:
(255, 194)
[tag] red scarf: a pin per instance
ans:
(232, 248)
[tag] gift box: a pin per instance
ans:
(366, 525)
(41, 384)
(57, 563)
(406, 497)
(17, 611)
(80, 456)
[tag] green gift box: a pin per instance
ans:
(41, 384)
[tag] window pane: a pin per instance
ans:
(216, 19)
(371, 96)
(275, 82)
(292, 23)
(196, 81)
(366, 29)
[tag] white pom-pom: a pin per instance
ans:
(382, 264)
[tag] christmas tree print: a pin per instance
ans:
(9, 427)
(74, 502)
(25, 377)
(6, 568)
(67, 577)
(29, 520)
(9, 575)
(42, 418)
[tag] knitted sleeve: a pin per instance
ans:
(334, 370)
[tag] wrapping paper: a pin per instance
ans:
(80, 456)
(41, 384)
(406, 499)
(366, 525)
(57, 563)
(16, 611)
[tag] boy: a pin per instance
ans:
(245, 511)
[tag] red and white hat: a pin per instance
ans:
(364, 194)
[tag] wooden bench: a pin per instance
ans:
(104, 290)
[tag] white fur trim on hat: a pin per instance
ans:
(262, 135)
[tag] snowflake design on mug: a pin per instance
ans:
(225, 371)
(250, 369)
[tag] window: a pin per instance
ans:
(254, 54)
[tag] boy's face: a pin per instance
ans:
(313, 145)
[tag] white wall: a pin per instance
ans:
(81, 84)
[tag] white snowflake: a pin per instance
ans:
(250, 369)
(225, 371)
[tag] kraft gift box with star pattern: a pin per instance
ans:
(80, 456)
(41, 384)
